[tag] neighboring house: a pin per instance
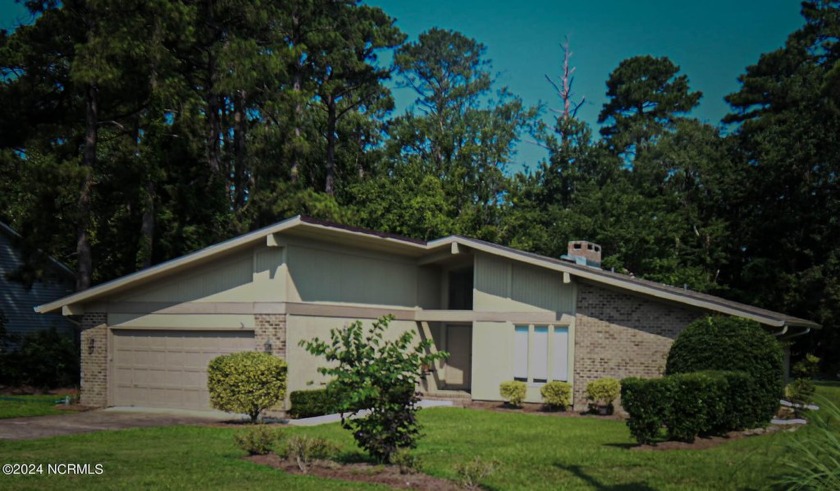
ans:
(499, 312)
(17, 301)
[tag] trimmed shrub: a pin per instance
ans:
(740, 411)
(647, 402)
(309, 403)
(556, 394)
(317, 402)
(513, 392)
(247, 382)
(603, 391)
(728, 343)
(259, 440)
(697, 400)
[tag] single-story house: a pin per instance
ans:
(17, 300)
(501, 313)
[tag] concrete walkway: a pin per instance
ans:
(101, 420)
(119, 418)
(332, 418)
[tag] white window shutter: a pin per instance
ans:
(539, 354)
(561, 354)
(520, 353)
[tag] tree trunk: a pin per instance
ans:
(240, 122)
(147, 227)
(297, 78)
(329, 188)
(83, 249)
(213, 123)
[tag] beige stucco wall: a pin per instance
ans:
(255, 275)
(502, 285)
(303, 367)
(326, 273)
(493, 358)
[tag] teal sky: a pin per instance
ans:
(712, 41)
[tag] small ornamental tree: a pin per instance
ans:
(369, 371)
(247, 382)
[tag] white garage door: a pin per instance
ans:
(169, 368)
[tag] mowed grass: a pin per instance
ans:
(26, 406)
(534, 451)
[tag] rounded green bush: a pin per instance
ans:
(247, 382)
(604, 391)
(513, 391)
(728, 343)
(557, 394)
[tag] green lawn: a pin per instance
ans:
(536, 452)
(26, 406)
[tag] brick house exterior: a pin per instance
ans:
(501, 313)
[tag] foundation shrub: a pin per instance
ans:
(556, 395)
(734, 344)
(248, 382)
(513, 392)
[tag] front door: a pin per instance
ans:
(458, 365)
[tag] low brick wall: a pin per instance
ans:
(619, 335)
(94, 346)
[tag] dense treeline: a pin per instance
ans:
(137, 131)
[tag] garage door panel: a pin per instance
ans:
(169, 368)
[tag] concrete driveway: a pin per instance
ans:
(101, 420)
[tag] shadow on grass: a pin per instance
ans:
(596, 484)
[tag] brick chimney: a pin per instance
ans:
(585, 253)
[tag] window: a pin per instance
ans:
(520, 347)
(560, 366)
(541, 353)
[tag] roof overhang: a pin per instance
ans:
(426, 253)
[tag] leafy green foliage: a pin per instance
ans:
(727, 343)
(603, 391)
(556, 394)
(513, 391)
(44, 359)
(646, 401)
(814, 452)
(696, 401)
(379, 374)
(247, 382)
(800, 391)
(689, 404)
(259, 439)
(308, 403)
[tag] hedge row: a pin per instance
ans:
(310, 403)
(690, 404)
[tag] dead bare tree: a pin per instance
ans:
(564, 88)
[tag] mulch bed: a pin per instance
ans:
(359, 472)
(535, 408)
(702, 443)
